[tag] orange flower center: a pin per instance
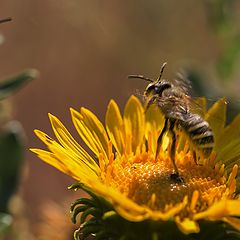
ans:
(148, 181)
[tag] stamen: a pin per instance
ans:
(102, 164)
(217, 167)
(150, 143)
(194, 200)
(110, 153)
(152, 201)
(232, 175)
(109, 173)
(222, 170)
(232, 187)
(128, 144)
(212, 159)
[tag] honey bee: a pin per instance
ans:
(174, 101)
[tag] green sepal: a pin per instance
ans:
(77, 211)
(103, 235)
(12, 84)
(75, 186)
(109, 214)
(84, 201)
(90, 211)
(97, 200)
(90, 227)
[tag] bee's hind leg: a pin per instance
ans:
(175, 176)
(159, 141)
(195, 156)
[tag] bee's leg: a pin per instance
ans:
(175, 175)
(149, 103)
(195, 156)
(173, 145)
(159, 141)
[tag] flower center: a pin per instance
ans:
(152, 185)
(149, 182)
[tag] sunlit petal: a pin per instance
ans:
(134, 122)
(115, 127)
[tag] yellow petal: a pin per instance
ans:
(51, 159)
(232, 131)
(121, 203)
(153, 124)
(230, 151)
(220, 209)
(91, 131)
(234, 222)
(216, 117)
(134, 122)
(68, 157)
(97, 128)
(68, 142)
(68, 167)
(115, 127)
(129, 215)
(187, 225)
(171, 212)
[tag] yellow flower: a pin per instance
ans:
(124, 170)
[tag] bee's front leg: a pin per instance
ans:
(150, 102)
(159, 141)
(175, 175)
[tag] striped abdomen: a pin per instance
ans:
(199, 131)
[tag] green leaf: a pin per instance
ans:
(11, 156)
(5, 20)
(229, 58)
(9, 86)
(220, 14)
(5, 222)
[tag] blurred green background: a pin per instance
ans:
(84, 51)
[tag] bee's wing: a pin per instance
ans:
(183, 83)
(198, 105)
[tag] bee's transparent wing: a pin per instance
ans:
(181, 81)
(198, 105)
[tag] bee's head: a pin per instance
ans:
(156, 88)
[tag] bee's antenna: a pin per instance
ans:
(161, 71)
(141, 77)
(5, 20)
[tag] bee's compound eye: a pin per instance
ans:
(150, 88)
(157, 89)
